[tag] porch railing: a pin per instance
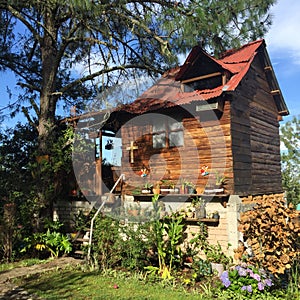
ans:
(122, 177)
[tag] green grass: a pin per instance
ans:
(76, 284)
(21, 263)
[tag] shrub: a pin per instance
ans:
(120, 245)
(246, 280)
(51, 242)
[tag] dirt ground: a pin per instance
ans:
(11, 291)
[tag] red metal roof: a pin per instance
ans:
(167, 91)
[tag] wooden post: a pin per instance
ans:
(98, 179)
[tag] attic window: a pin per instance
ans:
(167, 133)
(209, 81)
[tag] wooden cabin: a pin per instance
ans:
(222, 114)
(211, 118)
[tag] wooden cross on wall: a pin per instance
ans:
(131, 149)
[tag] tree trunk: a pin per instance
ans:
(46, 117)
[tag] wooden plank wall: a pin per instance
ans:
(241, 144)
(206, 142)
(255, 136)
(265, 139)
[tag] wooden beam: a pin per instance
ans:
(275, 92)
(268, 68)
(224, 79)
(202, 77)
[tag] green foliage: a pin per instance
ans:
(143, 32)
(80, 221)
(290, 137)
(168, 235)
(120, 245)
(135, 246)
(246, 280)
(201, 268)
(105, 238)
(51, 241)
(22, 177)
(214, 253)
(16, 154)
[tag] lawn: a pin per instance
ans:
(77, 284)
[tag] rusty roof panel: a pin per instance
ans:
(167, 91)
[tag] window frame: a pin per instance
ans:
(167, 131)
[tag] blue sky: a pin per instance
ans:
(283, 45)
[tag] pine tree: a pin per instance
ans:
(45, 43)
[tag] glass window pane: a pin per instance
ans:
(159, 140)
(176, 139)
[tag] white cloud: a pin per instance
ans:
(284, 34)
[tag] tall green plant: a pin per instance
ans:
(125, 245)
(52, 241)
(168, 235)
(290, 156)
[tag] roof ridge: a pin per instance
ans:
(235, 50)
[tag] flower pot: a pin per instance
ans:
(216, 216)
(217, 268)
(190, 190)
(156, 191)
(199, 190)
(200, 212)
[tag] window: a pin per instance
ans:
(167, 133)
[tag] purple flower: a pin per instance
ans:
(268, 282)
(226, 283)
(249, 288)
(224, 275)
(260, 286)
(243, 288)
(256, 277)
(225, 279)
(242, 272)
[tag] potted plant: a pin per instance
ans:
(136, 191)
(166, 186)
(200, 209)
(218, 259)
(220, 181)
(147, 188)
(216, 215)
(172, 188)
(190, 188)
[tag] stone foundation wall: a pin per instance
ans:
(224, 232)
(66, 211)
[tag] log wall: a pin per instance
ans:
(255, 136)
(206, 142)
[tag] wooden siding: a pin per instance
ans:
(206, 142)
(255, 136)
